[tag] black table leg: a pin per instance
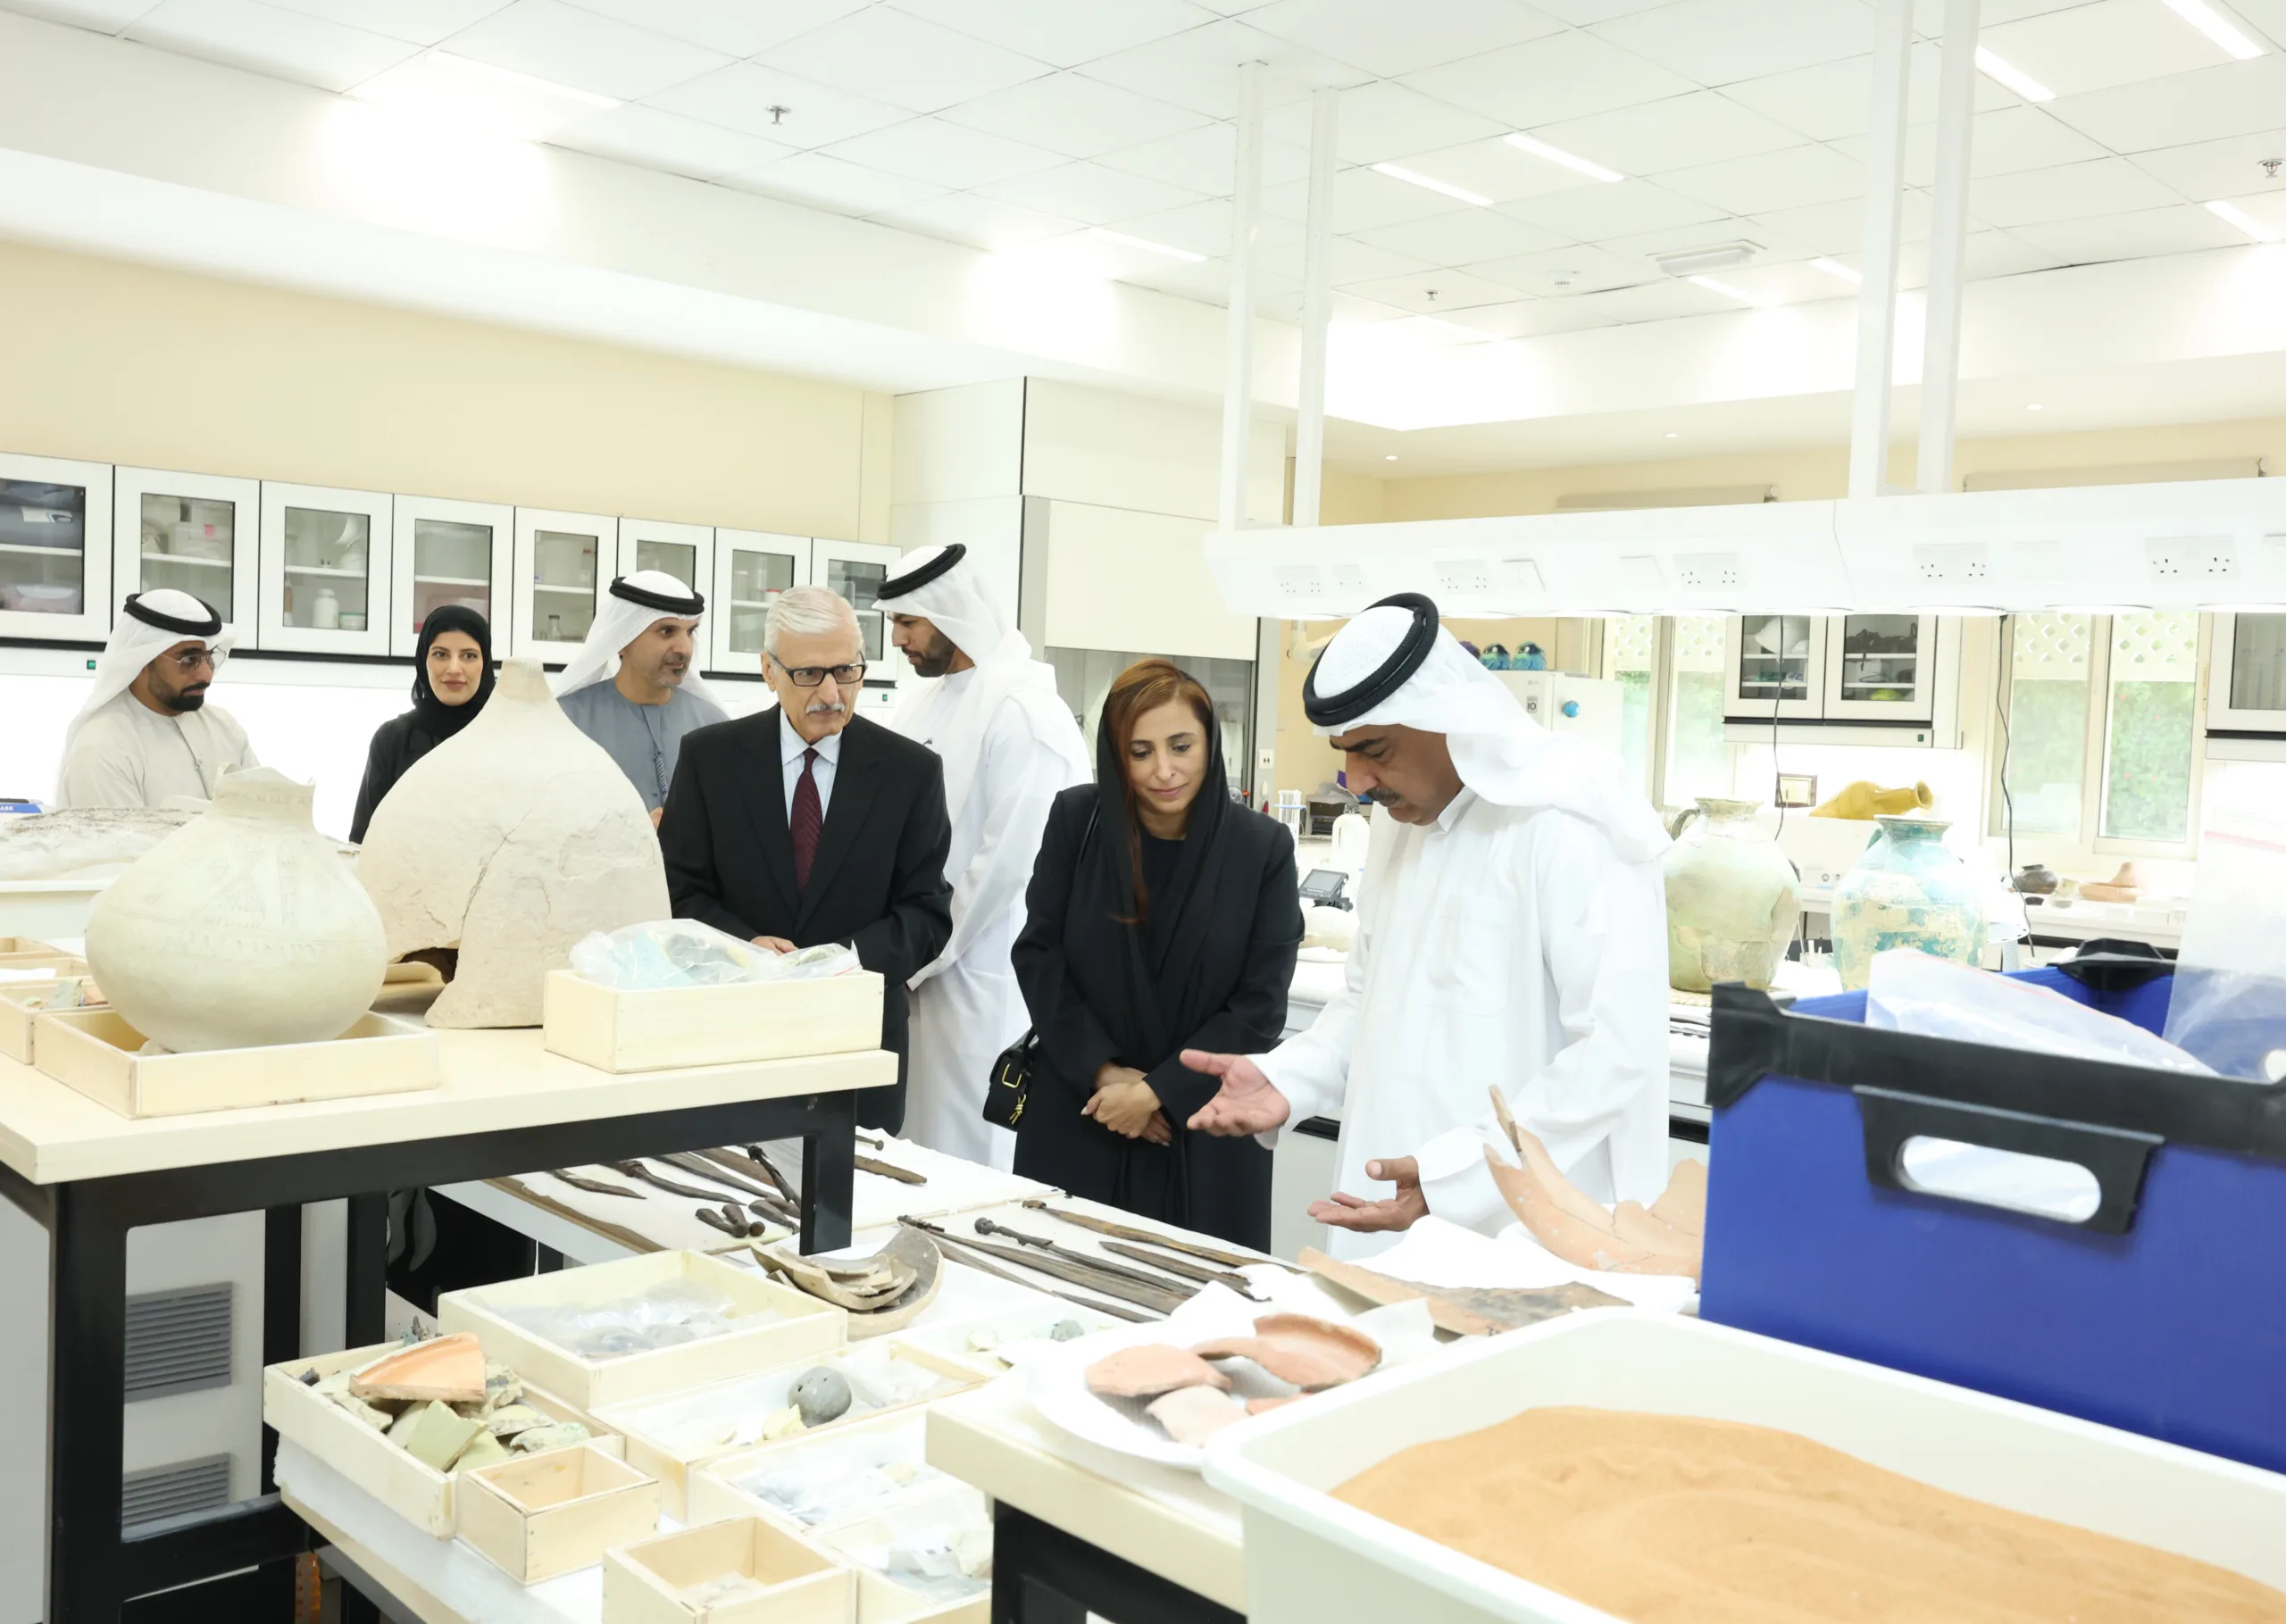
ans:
(1042, 1574)
(88, 1370)
(366, 1313)
(830, 1173)
(545, 1260)
(281, 1308)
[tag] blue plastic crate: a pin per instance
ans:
(2164, 1315)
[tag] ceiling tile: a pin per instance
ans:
(422, 23)
(1929, 15)
(736, 27)
(1839, 228)
(1199, 69)
(267, 40)
(2269, 208)
(1835, 98)
(1205, 159)
(1089, 192)
(1772, 247)
(1562, 77)
(1660, 301)
(548, 40)
(1389, 39)
(1590, 213)
(104, 16)
(1584, 13)
(1990, 254)
(1434, 292)
(1529, 318)
(1463, 237)
(1495, 170)
(1719, 42)
(2093, 47)
(1798, 282)
(1362, 200)
(1701, 128)
(1384, 121)
(741, 96)
(637, 134)
(948, 155)
(2002, 143)
(1205, 228)
(2268, 16)
(831, 183)
(2229, 168)
(1350, 310)
(2235, 99)
(1354, 261)
(2183, 228)
(980, 222)
(1569, 272)
(2069, 191)
(882, 54)
(1076, 117)
(1766, 181)
(1207, 284)
(1063, 32)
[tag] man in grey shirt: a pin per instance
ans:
(632, 688)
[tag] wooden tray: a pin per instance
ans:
(94, 1051)
(654, 1028)
(881, 1599)
(548, 1513)
(801, 1327)
(716, 1495)
(19, 1004)
(29, 952)
(420, 1494)
(644, 1583)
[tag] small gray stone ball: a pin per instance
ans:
(821, 1395)
(1067, 1330)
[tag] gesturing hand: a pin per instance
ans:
(1247, 1104)
(1402, 1210)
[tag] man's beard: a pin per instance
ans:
(188, 700)
(935, 660)
(672, 675)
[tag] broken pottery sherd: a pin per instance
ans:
(1151, 1370)
(509, 1420)
(1192, 1415)
(1310, 1353)
(1263, 1406)
(533, 1440)
(438, 1436)
(483, 1450)
(449, 1370)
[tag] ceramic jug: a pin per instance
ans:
(1908, 891)
(1733, 899)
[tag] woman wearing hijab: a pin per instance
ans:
(1162, 917)
(452, 678)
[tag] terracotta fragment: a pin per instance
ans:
(1151, 1370)
(1263, 1406)
(448, 1370)
(1192, 1415)
(1684, 1205)
(1310, 1353)
(1466, 1310)
(1632, 1224)
(1574, 1239)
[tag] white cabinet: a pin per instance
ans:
(449, 552)
(684, 551)
(2247, 678)
(561, 560)
(1879, 679)
(751, 569)
(1774, 665)
(1881, 668)
(195, 533)
(54, 548)
(324, 584)
(857, 570)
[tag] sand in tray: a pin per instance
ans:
(1673, 1519)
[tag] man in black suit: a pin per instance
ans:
(806, 823)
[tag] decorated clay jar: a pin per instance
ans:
(1908, 891)
(1733, 899)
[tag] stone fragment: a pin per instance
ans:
(438, 1436)
(558, 1435)
(509, 1420)
(449, 1370)
(483, 1450)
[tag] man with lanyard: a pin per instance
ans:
(146, 735)
(1009, 744)
(1511, 934)
(630, 687)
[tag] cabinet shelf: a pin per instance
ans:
(69, 550)
(183, 558)
(563, 591)
(451, 580)
(339, 575)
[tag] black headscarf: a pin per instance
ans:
(431, 714)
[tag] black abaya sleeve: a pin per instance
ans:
(1073, 1038)
(1251, 1020)
(385, 763)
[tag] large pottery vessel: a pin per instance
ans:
(244, 927)
(1732, 900)
(1908, 891)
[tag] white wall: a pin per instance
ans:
(1122, 579)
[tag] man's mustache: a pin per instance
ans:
(825, 708)
(1384, 797)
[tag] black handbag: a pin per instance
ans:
(1009, 1086)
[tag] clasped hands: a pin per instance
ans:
(1127, 1105)
(1250, 1103)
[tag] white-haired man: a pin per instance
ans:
(146, 735)
(1009, 744)
(632, 688)
(1511, 934)
(804, 823)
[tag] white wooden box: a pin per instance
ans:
(20, 1003)
(798, 1326)
(716, 1492)
(652, 1029)
(29, 952)
(649, 1582)
(418, 1493)
(1029, 1326)
(94, 1051)
(881, 1599)
(548, 1513)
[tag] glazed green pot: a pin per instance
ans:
(1733, 899)
(1908, 891)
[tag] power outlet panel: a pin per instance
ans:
(2191, 558)
(1710, 571)
(1464, 576)
(1952, 564)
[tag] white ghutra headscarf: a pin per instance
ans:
(149, 624)
(633, 605)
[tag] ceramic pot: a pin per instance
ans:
(1908, 891)
(2035, 879)
(244, 927)
(1733, 899)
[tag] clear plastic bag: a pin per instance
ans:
(684, 953)
(834, 1480)
(937, 1546)
(2229, 1003)
(665, 1316)
(1911, 992)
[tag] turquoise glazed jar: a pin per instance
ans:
(1908, 891)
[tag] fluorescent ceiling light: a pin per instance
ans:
(1556, 155)
(2243, 221)
(1148, 246)
(1410, 179)
(2022, 83)
(1724, 288)
(1835, 268)
(1691, 260)
(2217, 26)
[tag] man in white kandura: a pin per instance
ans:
(632, 688)
(1512, 933)
(146, 734)
(1009, 744)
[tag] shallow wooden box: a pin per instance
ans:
(881, 1599)
(716, 1495)
(653, 1029)
(420, 1494)
(94, 1052)
(29, 952)
(20, 1003)
(804, 1326)
(548, 1513)
(644, 1583)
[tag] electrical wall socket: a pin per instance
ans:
(1952, 564)
(1464, 576)
(2191, 558)
(1710, 571)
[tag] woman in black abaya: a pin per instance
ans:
(1162, 917)
(452, 678)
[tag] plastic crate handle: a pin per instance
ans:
(2118, 1157)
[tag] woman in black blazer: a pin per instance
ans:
(1162, 918)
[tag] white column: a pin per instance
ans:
(1317, 308)
(1238, 368)
(1940, 353)
(1869, 427)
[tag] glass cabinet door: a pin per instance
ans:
(560, 560)
(455, 552)
(857, 570)
(1880, 667)
(55, 576)
(194, 533)
(751, 569)
(1772, 662)
(325, 570)
(2247, 687)
(684, 551)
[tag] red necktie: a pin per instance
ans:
(809, 819)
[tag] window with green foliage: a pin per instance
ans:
(1630, 652)
(1698, 757)
(2149, 726)
(2049, 675)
